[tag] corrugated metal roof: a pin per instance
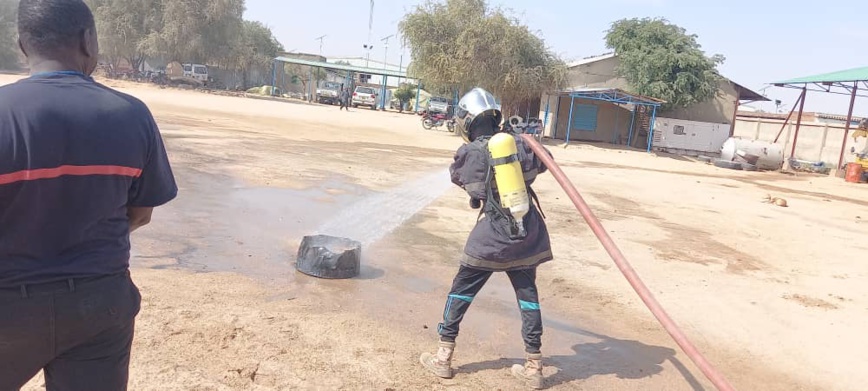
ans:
(613, 93)
(592, 59)
(342, 67)
(848, 75)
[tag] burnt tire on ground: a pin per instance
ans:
(330, 257)
(748, 167)
(727, 164)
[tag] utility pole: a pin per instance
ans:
(386, 54)
(401, 61)
(320, 38)
(368, 46)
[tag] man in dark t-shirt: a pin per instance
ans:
(81, 166)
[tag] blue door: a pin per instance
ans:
(585, 118)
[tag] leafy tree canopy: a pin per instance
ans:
(662, 60)
(202, 31)
(461, 44)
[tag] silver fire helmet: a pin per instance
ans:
(473, 105)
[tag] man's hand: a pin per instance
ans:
(139, 217)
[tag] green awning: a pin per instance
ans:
(849, 75)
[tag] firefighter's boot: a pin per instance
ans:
(531, 371)
(440, 363)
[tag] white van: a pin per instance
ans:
(196, 71)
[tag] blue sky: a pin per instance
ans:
(763, 40)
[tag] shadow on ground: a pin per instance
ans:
(625, 359)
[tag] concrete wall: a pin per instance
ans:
(613, 122)
(598, 74)
(550, 101)
(816, 142)
(719, 110)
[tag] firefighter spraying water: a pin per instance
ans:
(496, 170)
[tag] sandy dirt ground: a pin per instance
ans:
(775, 297)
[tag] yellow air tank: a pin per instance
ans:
(509, 178)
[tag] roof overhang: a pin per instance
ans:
(845, 76)
(840, 82)
(746, 94)
(613, 95)
(343, 67)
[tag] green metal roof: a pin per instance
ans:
(342, 67)
(849, 75)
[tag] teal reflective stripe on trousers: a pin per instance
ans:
(528, 306)
(468, 299)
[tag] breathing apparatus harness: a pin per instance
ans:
(502, 220)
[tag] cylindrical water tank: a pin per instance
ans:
(763, 154)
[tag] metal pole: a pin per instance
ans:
(632, 123)
(627, 270)
(784, 126)
(320, 39)
(617, 133)
(273, 76)
(310, 84)
(385, 79)
(554, 133)
(799, 122)
(651, 128)
(734, 118)
(847, 126)
(570, 121)
(418, 91)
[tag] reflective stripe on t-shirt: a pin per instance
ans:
(74, 155)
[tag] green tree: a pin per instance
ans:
(661, 60)
(404, 93)
(201, 31)
(123, 27)
(460, 44)
(255, 47)
(8, 34)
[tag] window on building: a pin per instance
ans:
(585, 118)
(679, 130)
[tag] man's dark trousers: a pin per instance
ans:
(467, 284)
(79, 331)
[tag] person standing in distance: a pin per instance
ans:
(345, 99)
(490, 247)
(81, 166)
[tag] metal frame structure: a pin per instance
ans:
(385, 73)
(847, 80)
(617, 96)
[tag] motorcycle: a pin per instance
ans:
(436, 120)
(518, 125)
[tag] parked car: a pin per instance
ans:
(365, 96)
(438, 104)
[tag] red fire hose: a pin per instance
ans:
(647, 297)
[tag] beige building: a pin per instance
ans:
(603, 110)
